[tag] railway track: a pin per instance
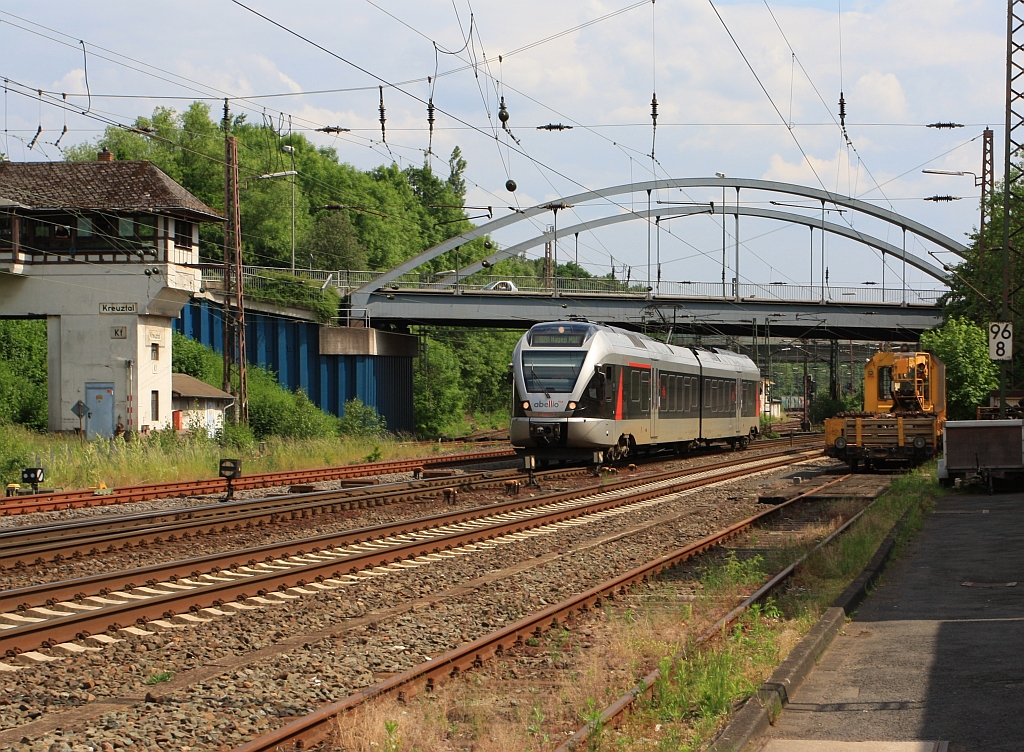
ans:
(284, 571)
(75, 539)
(50, 502)
(324, 723)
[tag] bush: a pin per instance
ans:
(281, 288)
(15, 454)
(196, 360)
(361, 420)
(23, 392)
(824, 406)
(275, 411)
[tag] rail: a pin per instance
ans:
(318, 725)
(51, 502)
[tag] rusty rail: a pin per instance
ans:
(317, 725)
(240, 584)
(614, 712)
(89, 498)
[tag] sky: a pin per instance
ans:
(749, 89)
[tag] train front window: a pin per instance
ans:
(549, 372)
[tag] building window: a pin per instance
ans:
(182, 234)
(85, 227)
(126, 227)
(154, 406)
(154, 351)
(147, 227)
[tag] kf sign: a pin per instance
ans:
(1000, 340)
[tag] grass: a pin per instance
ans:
(160, 677)
(72, 463)
(571, 675)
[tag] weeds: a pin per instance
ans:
(603, 656)
(160, 677)
(72, 463)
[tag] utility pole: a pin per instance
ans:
(234, 302)
(291, 150)
(988, 181)
(1014, 130)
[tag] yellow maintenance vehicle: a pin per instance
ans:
(904, 412)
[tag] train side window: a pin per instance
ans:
(713, 396)
(645, 391)
(609, 390)
(687, 394)
(634, 386)
(680, 405)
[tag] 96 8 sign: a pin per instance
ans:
(1000, 340)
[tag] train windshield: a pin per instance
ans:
(546, 371)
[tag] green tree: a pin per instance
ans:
(23, 390)
(334, 244)
(963, 347)
(438, 394)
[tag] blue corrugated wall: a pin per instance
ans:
(291, 349)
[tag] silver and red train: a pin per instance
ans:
(581, 388)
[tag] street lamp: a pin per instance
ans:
(959, 173)
(291, 150)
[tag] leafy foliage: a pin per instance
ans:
(394, 213)
(197, 360)
(23, 373)
(361, 420)
(824, 406)
(285, 290)
(461, 371)
(963, 347)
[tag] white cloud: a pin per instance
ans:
(72, 82)
(881, 95)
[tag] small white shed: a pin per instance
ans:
(196, 405)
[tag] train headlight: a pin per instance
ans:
(840, 443)
(572, 405)
(526, 405)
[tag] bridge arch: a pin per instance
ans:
(360, 296)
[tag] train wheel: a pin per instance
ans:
(744, 442)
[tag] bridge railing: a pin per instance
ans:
(345, 281)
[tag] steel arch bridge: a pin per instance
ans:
(393, 296)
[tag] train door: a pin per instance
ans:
(737, 412)
(658, 389)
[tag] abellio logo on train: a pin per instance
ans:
(552, 404)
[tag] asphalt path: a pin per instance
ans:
(936, 652)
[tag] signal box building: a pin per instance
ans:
(107, 252)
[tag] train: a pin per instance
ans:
(585, 391)
(904, 413)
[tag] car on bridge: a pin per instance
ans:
(503, 285)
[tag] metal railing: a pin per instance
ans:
(344, 281)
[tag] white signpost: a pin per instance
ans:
(1000, 340)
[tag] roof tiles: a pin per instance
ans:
(130, 186)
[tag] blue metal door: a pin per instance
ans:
(99, 405)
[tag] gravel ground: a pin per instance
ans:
(249, 699)
(282, 531)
